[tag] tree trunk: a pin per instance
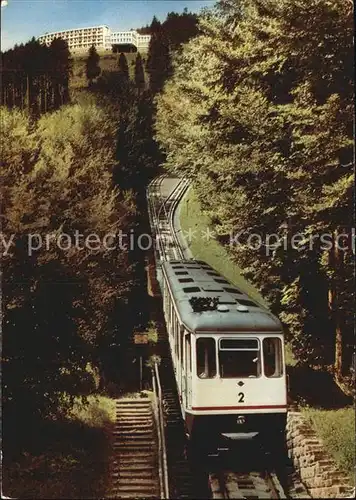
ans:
(46, 95)
(28, 104)
(336, 261)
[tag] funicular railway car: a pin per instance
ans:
(228, 358)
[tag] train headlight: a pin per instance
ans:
(240, 419)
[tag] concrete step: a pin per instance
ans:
(128, 401)
(135, 454)
(123, 475)
(140, 445)
(123, 494)
(133, 425)
(133, 432)
(134, 421)
(135, 466)
(145, 445)
(127, 413)
(142, 422)
(131, 459)
(130, 438)
(138, 465)
(133, 409)
(133, 402)
(142, 486)
(129, 417)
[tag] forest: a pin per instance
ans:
(259, 114)
(76, 164)
(253, 101)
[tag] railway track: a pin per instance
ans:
(187, 479)
(181, 476)
(228, 484)
(161, 213)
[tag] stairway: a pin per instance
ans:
(135, 469)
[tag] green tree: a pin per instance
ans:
(92, 67)
(65, 304)
(36, 77)
(139, 73)
(159, 59)
(123, 68)
(61, 69)
(180, 28)
(263, 123)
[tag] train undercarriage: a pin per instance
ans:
(219, 436)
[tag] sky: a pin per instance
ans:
(23, 19)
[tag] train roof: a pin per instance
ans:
(195, 278)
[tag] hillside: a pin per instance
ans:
(108, 62)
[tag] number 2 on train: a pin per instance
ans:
(241, 396)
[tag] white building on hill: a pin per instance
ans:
(81, 39)
(130, 37)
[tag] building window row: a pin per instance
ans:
(95, 36)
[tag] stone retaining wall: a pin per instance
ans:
(317, 470)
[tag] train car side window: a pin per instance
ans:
(188, 358)
(272, 357)
(206, 358)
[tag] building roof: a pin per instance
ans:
(74, 29)
(195, 278)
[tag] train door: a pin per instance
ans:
(188, 371)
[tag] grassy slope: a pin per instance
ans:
(108, 62)
(214, 253)
(70, 459)
(335, 427)
(337, 430)
(210, 250)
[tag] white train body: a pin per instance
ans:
(229, 361)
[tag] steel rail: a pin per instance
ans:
(168, 206)
(183, 187)
(154, 189)
(225, 484)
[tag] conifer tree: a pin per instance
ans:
(36, 77)
(180, 28)
(139, 73)
(123, 68)
(61, 69)
(92, 67)
(159, 58)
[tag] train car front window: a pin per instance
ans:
(239, 358)
(272, 357)
(206, 358)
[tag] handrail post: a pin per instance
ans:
(162, 431)
(157, 418)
